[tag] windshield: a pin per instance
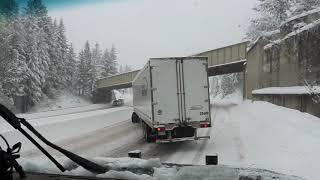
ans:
(229, 83)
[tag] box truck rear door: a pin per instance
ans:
(164, 86)
(196, 90)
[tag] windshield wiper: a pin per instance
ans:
(16, 122)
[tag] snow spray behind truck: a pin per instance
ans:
(171, 99)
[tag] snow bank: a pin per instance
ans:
(64, 100)
(126, 162)
(287, 90)
(276, 138)
(139, 169)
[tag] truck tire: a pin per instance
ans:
(135, 118)
(147, 133)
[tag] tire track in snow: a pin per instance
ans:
(226, 132)
(163, 150)
(93, 142)
(201, 149)
(237, 139)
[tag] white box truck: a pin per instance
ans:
(171, 99)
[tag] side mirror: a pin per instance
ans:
(16, 148)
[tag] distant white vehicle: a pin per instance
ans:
(171, 98)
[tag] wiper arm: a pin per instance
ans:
(16, 122)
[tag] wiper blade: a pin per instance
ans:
(16, 122)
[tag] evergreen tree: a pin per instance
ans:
(70, 64)
(270, 15)
(113, 61)
(85, 74)
(9, 8)
(121, 69)
(105, 64)
(96, 61)
(38, 25)
(37, 58)
(62, 55)
(12, 60)
(36, 8)
(305, 5)
(124, 69)
(109, 62)
(127, 68)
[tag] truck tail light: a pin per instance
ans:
(160, 129)
(204, 125)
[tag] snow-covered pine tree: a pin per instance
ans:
(52, 81)
(121, 69)
(270, 14)
(109, 62)
(37, 59)
(15, 75)
(84, 71)
(9, 8)
(96, 66)
(62, 55)
(105, 63)
(96, 54)
(37, 56)
(36, 8)
(4, 46)
(127, 68)
(70, 65)
(12, 60)
(304, 5)
(113, 61)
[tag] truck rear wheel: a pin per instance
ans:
(135, 118)
(147, 133)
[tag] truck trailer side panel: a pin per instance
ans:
(142, 101)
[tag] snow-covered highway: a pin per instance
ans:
(250, 134)
(59, 128)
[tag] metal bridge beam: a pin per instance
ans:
(225, 60)
(119, 81)
(234, 67)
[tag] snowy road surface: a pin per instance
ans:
(255, 134)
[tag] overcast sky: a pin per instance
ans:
(141, 29)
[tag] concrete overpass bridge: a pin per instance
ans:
(225, 60)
